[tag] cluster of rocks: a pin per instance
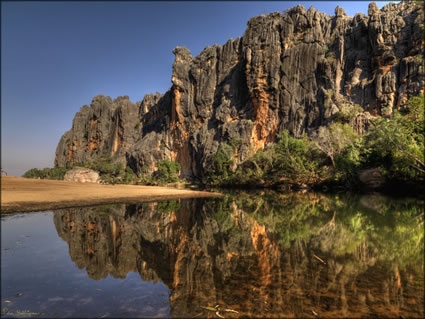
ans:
(290, 71)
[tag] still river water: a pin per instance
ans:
(246, 254)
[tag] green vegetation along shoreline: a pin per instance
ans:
(388, 157)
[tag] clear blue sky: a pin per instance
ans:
(56, 56)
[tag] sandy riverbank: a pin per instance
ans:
(22, 194)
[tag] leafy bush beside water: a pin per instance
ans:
(397, 144)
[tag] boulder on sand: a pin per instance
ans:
(82, 175)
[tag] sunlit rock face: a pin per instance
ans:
(261, 255)
(292, 71)
(106, 128)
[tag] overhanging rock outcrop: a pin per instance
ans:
(292, 70)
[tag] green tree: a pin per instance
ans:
(348, 162)
(334, 139)
(33, 173)
(397, 143)
(168, 171)
(220, 171)
(110, 172)
(296, 159)
(347, 113)
(256, 170)
(56, 173)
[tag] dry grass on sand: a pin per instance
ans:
(23, 194)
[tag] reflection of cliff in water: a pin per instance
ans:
(268, 255)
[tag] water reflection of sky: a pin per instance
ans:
(38, 276)
(259, 254)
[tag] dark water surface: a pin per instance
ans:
(247, 254)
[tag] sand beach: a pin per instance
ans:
(22, 194)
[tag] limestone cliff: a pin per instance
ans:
(291, 70)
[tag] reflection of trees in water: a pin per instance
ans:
(262, 254)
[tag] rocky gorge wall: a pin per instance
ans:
(292, 70)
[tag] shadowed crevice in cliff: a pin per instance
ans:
(155, 119)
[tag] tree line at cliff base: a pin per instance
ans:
(333, 157)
